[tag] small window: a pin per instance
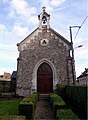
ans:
(44, 42)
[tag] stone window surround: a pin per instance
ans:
(34, 80)
(47, 41)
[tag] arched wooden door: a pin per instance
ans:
(44, 79)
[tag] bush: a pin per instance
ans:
(27, 106)
(56, 102)
(63, 114)
(56, 99)
(32, 98)
(61, 89)
(26, 109)
(75, 96)
(12, 118)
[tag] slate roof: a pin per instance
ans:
(85, 73)
(14, 74)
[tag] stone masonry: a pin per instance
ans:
(43, 45)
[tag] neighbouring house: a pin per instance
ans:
(83, 78)
(44, 60)
(1, 77)
(5, 77)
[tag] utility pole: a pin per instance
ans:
(73, 62)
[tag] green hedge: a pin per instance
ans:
(27, 105)
(32, 97)
(64, 114)
(61, 89)
(75, 96)
(11, 117)
(56, 102)
(54, 98)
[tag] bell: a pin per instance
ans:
(44, 21)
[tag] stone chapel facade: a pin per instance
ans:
(44, 60)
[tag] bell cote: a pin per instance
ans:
(44, 19)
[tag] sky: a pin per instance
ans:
(18, 18)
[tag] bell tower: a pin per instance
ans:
(44, 19)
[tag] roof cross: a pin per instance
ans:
(43, 8)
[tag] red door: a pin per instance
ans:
(44, 79)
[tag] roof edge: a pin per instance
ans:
(27, 37)
(64, 39)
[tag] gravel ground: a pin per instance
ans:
(43, 111)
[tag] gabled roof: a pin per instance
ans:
(53, 31)
(44, 13)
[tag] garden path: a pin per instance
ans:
(43, 111)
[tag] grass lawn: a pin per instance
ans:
(9, 107)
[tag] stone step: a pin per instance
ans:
(43, 96)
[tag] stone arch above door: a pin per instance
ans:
(34, 80)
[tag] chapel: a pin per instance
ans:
(44, 60)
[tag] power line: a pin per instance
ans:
(80, 27)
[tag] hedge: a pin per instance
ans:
(11, 117)
(75, 96)
(56, 102)
(61, 88)
(32, 97)
(27, 106)
(64, 114)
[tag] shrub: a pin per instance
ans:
(32, 97)
(56, 102)
(75, 96)
(27, 106)
(54, 98)
(26, 109)
(63, 114)
(61, 89)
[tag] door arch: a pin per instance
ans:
(44, 78)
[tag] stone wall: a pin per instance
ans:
(7, 87)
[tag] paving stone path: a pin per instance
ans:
(43, 111)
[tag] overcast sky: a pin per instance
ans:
(18, 18)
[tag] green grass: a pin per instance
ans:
(9, 107)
